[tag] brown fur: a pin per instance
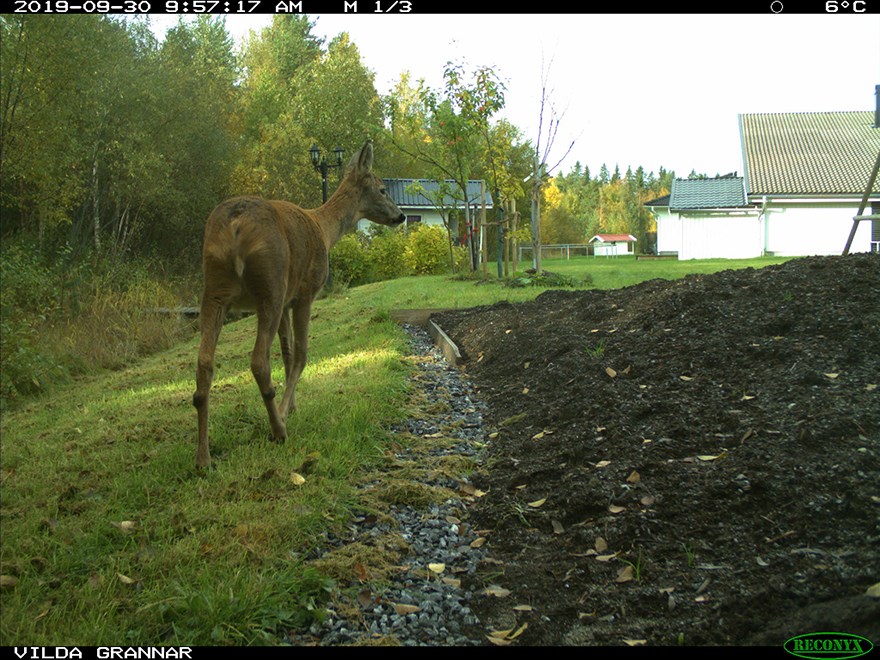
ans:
(272, 257)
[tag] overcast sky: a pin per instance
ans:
(652, 90)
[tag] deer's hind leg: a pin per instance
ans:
(268, 320)
(285, 336)
(211, 316)
(296, 351)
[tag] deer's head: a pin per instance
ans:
(375, 203)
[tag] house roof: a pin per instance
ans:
(660, 201)
(809, 153)
(406, 193)
(613, 238)
(718, 193)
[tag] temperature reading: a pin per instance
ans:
(855, 6)
(399, 6)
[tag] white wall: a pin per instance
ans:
(808, 229)
(789, 228)
(429, 217)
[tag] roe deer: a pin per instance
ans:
(272, 257)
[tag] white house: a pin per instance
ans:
(804, 178)
(426, 201)
(612, 245)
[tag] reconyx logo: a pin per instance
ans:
(828, 645)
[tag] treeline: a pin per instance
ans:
(112, 141)
(578, 206)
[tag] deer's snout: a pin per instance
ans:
(400, 219)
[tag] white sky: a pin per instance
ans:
(652, 90)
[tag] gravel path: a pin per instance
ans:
(423, 606)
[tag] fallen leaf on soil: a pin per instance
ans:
(452, 582)
(497, 641)
(478, 542)
(747, 397)
(495, 590)
(625, 574)
(297, 479)
(469, 489)
(523, 608)
(647, 500)
(633, 477)
(365, 598)
(602, 464)
(126, 526)
(635, 642)
(403, 610)
(832, 376)
(611, 373)
(874, 590)
(125, 579)
(437, 568)
(871, 387)
(557, 527)
(605, 557)
(538, 503)
(685, 377)
(601, 545)
(525, 390)
(8, 581)
(614, 508)
(361, 571)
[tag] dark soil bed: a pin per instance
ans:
(683, 462)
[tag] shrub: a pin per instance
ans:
(350, 261)
(427, 250)
(386, 253)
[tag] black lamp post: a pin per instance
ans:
(321, 165)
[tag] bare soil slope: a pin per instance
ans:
(692, 461)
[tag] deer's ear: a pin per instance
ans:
(365, 157)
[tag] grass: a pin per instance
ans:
(110, 536)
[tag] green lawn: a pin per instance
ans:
(109, 536)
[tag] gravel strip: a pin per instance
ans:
(421, 606)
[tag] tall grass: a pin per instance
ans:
(110, 536)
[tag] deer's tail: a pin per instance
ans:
(236, 247)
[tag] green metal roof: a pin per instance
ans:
(718, 193)
(810, 153)
(406, 193)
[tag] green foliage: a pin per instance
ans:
(387, 247)
(350, 261)
(427, 250)
(62, 319)
(550, 280)
(238, 613)
(27, 301)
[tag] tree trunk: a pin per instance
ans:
(96, 208)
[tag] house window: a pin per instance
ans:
(413, 220)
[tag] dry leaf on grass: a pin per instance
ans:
(403, 609)
(625, 574)
(495, 590)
